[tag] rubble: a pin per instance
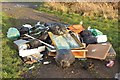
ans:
(64, 42)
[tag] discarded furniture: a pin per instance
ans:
(64, 56)
(100, 51)
(79, 53)
(76, 49)
(63, 39)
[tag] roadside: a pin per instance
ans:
(22, 15)
(23, 12)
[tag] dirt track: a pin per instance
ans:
(24, 13)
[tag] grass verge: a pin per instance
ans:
(12, 65)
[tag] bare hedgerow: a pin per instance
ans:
(100, 9)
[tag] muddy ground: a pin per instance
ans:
(26, 13)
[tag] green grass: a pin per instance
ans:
(109, 27)
(12, 65)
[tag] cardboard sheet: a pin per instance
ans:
(76, 28)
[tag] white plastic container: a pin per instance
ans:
(101, 38)
(28, 52)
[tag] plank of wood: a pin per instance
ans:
(80, 54)
(73, 50)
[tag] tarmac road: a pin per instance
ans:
(26, 13)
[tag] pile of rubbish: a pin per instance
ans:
(64, 42)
